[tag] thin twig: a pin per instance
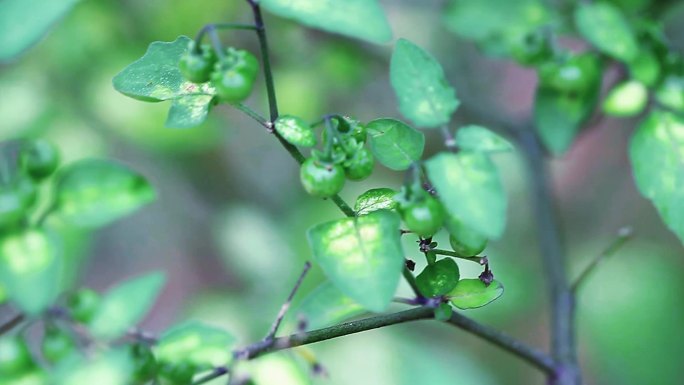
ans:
(11, 323)
(476, 259)
(273, 102)
(253, 114)
(532, 355)
(216, 373)
(562, 299)
(624, 235)
(411, 280)
(449, 140)
(288, 302)
(527, 353)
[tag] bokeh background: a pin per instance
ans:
(228, 226)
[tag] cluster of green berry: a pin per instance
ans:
(560, 70)
(344, 157)
(38, 159)
(232, 73)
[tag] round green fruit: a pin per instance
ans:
(321, 180)
(465, 241)
(423, 216)
(83, 304)
(39, 158)
(577, 73)
(532, 49)
(360, 166)
(234, 76)
(176, 374)
(12, 206)
(56, 345)
(197, 64)
(145, 364)
(15, 357)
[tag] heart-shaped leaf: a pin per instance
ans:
(125, 305)
(559, 116)
(604, 25)
(473, 293)
(425, 96)
(30, 268)
(362, 256)
(96, 192)
(155, 77)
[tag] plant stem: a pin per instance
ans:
(286, 305)
(216, 373)
(476, 259)
(449, 140)
(624, 235)
(537, 358)
(12, 323)
(273, 102)
(253, 114)
(533, 356)
(411, 280)
(553, 260)
(529, 354)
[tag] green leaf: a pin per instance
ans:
(361, 19)
(112, 368)
(478, 138)
(24, 22)
(671, 93)
(473, 293)
(395, 144)
(438, 278)
(604, 26)
(626, 99)
(189, 111)
(295, 130)
(558, 116)
(374, 200)
(469, 186)
(30, 269)
(155, 77)
(362, 256)
(657, 155)
(125, 305)
(196, 344)
(326, 306)
(95, 192)
(424, 94)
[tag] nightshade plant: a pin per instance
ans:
(91, 337)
